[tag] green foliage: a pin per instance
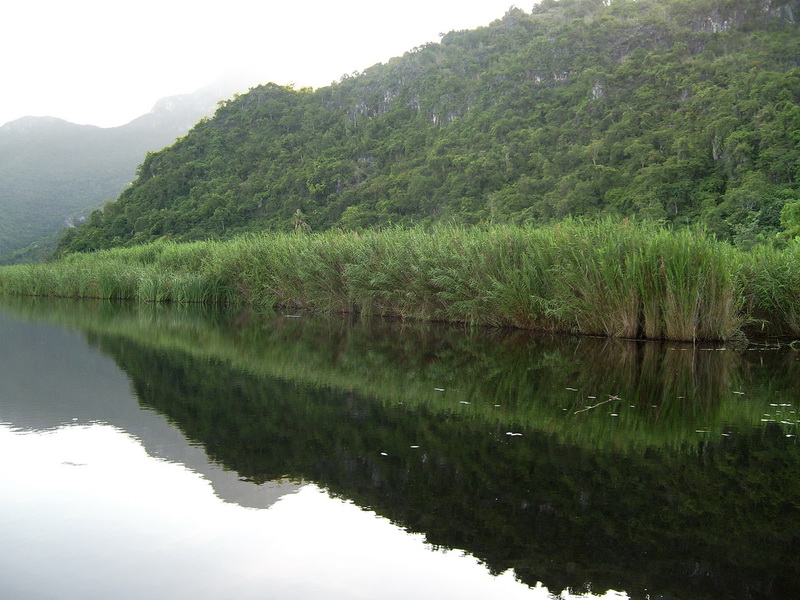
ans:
(604, 278)
(674, 111)
(790, 219)
(772, 283)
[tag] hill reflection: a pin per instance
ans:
(656, 469)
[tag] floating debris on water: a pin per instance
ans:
(610, 399)
(384, 454)
(701, 431)
(414, 447)
(613, 414)
(571, 389)
(463, 402)
(438, 389)
(739, 393)
(513, 434)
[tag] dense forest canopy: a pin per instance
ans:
(682, 111)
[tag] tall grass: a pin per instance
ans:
(627, 280)
(771, 282)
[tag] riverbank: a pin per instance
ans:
(626, 280)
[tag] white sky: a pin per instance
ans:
(106, 62)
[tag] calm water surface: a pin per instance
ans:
(168, 452)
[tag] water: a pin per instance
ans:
(167, 452)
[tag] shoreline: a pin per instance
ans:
(628, 280)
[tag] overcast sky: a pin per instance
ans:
(106, 62)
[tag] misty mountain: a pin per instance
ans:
(53, 172)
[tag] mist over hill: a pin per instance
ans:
(678, 111)
(53, 173)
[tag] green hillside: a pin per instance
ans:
(674, 110)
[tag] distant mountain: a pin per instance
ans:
(53, 173)
(681, 111)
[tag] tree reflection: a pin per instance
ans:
(403, 420)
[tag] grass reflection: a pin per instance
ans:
(598, 393)
(643, 492)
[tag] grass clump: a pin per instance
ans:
(626, 280)
(770, 279)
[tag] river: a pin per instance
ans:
(156, 451)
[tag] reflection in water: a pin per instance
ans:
(86, 514)
(654, 469)
(150, 529)
(48, 379)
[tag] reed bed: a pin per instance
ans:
(625, 280)
(771, 283)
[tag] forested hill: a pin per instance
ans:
(684, 111)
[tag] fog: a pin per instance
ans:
(101, 63)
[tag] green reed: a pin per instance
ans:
(770, 279)
(628, 279)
